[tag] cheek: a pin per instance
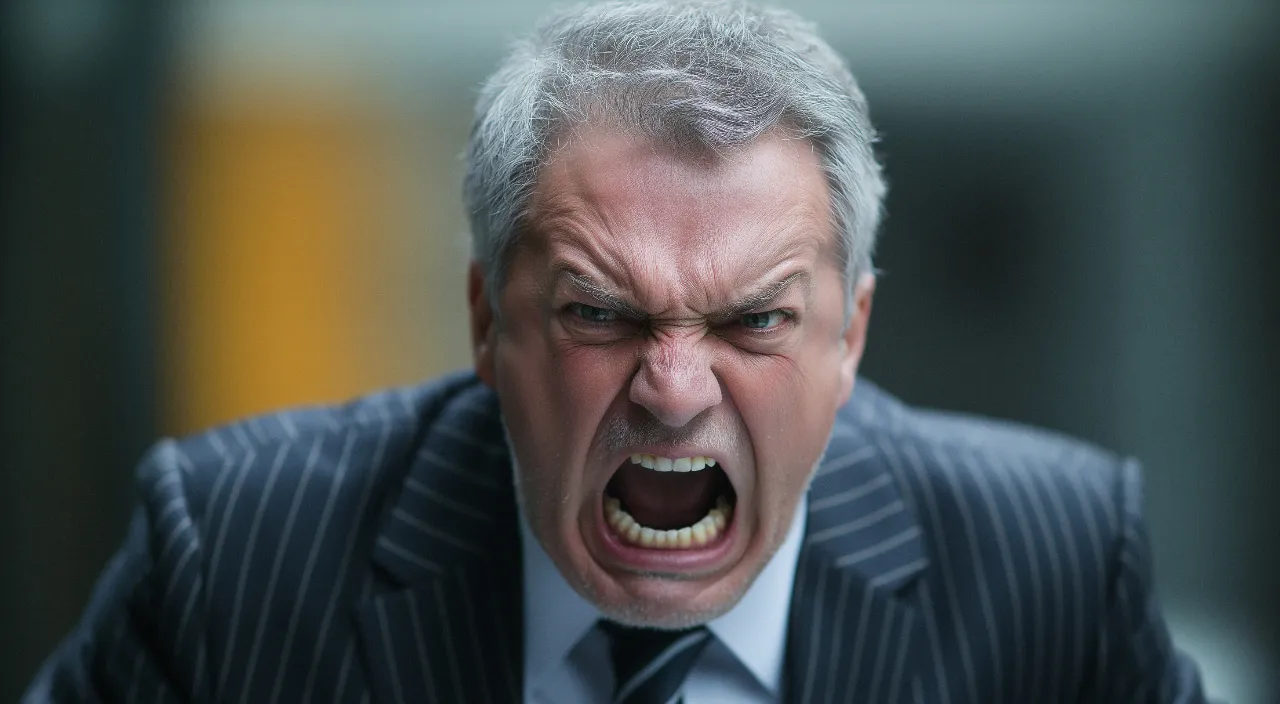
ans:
(554, 398)
(591, 376)
(789, 413)
(788, 406)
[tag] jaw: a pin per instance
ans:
(666, 589)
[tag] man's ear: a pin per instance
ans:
(483, 330)
(855, 334)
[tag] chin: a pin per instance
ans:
(666, 615)
(634, 582)
(664, 600)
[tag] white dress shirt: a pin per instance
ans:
(566, 658)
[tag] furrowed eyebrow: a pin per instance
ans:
(750, 303)
(591, 289)
(763, 297)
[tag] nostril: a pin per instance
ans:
(675, 395)
(674, 411)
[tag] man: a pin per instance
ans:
(659, 483)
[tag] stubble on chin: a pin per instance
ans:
(662, 617)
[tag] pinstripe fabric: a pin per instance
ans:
(370, 553)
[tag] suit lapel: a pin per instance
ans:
(854, 625)
(451, 628)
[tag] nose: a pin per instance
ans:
(675, 381)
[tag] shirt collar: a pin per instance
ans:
(755, 630)
(555, 616)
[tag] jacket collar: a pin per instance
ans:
(854, 629)
(450, 627)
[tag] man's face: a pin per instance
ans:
(661, 310)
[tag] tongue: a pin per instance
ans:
(664, 500)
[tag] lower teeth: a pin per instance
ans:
(702, 533)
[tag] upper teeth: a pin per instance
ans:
(666, 464)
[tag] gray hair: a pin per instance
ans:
(699, 76)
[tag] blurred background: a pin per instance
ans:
(217, 209)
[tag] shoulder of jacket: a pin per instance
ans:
(370, 433)
(954, 453)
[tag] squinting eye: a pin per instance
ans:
(594, 314)
(764, 320)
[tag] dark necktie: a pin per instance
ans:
(650, 665)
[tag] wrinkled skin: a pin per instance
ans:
(683, 297)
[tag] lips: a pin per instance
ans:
(672, 504)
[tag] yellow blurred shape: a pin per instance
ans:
(280, 231)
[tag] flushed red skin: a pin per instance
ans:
(676, 240)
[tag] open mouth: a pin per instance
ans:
(665, 503)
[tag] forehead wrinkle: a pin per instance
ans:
(598, 269)
(593, 218)
(581, 238)
(637, 285)
(796, 244)
(613, 266)
(609, 225)
(788, 226)
(567, 200)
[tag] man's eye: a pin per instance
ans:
(594, 314)
(764, 321)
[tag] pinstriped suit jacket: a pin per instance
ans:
(370, 553)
